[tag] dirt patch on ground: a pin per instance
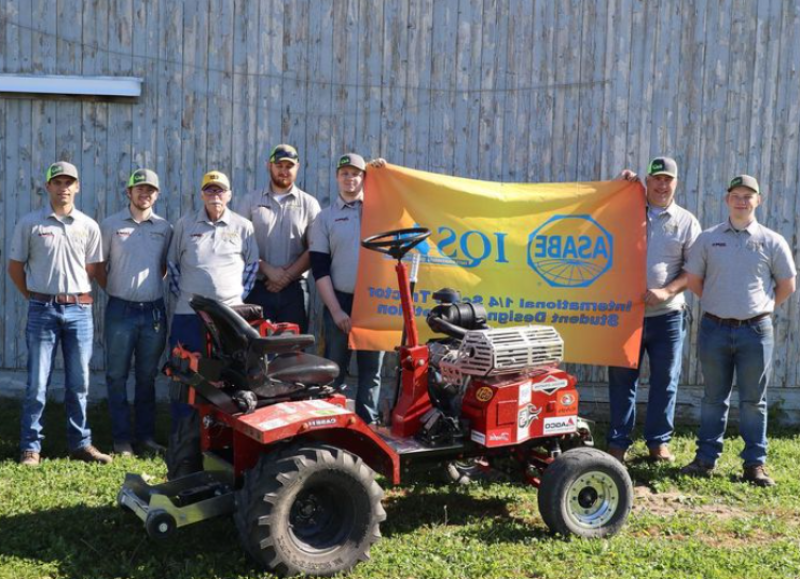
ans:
(672, 502)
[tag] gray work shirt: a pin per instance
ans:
(281, 226)
(670, 234)
(337, 232)
(56, 250)
(211, 257)
(136, 256)
(739, 269)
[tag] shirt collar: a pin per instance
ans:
(751, 229)
(48, 211)
(202, 217)
(128, 216)
(269, 194)
(341, 203)
(669, 210)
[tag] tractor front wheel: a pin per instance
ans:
(309, 510)
(585, 492)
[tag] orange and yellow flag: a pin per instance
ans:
(567, 255)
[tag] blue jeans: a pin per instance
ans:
(140, 330)
(369, 363)
(189, 330)
(288, 305)
(747, 352)
(662, 339)
(48, 326)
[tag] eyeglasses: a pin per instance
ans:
(215, 192)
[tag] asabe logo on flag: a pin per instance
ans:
(570, 250)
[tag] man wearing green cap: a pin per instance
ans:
(282, 214)
(135, 243)
(671, 231)
(55, 254)
(334, 245)
(741, 271)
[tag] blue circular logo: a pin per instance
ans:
(570, 250)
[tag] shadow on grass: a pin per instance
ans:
(485, 518)
(110, 542)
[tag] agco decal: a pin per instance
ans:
(484, 394)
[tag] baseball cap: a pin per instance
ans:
(61, 168)
(216, 178)
(744, 181)
(284, 153)
(143, 177)
(351, 160)
(663, 166)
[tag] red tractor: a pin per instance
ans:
(273, 443)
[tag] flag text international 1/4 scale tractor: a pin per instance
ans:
(275, 445)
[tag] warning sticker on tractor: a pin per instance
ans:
(272, 424)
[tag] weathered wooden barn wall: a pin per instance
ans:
(506, 90)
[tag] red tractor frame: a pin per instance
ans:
(275, 445)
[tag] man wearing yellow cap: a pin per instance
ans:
(213, 254)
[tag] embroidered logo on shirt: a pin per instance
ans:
(46, 234)
(124, 232)
(719, 244)
(338, 219)
(196, 235)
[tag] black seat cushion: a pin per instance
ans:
(303, 368)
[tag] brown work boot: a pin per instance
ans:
(661, 453)
(29, 458)
(618, 453)
(756, 475)
(90, 454)
(698, 468)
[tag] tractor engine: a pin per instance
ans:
(505, 382)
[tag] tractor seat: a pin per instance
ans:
(232, 335)
(299, 367)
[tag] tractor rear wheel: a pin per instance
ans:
(309, 510)
(585, 492)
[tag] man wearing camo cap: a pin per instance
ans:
(741, 271)
(671, 231)
(334, 245)
(282, 214)
(135, 243)
(55, 254)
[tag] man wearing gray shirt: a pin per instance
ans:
(55, 254)
(213, 254)
(671, 231)
(335, 242)
(741, 271)
(282, 214)
(135, 243)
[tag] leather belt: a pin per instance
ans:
(63, 299)
(734, 323)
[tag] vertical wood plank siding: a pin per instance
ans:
(505, 90)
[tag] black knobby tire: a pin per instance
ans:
(585, 492)
(184, 454)
(309, 510)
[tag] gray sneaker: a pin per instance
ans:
(698, 468)
(90, 454)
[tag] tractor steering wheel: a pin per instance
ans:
(397, 242)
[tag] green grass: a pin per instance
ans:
(60, 521)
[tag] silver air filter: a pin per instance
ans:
(505, 351)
